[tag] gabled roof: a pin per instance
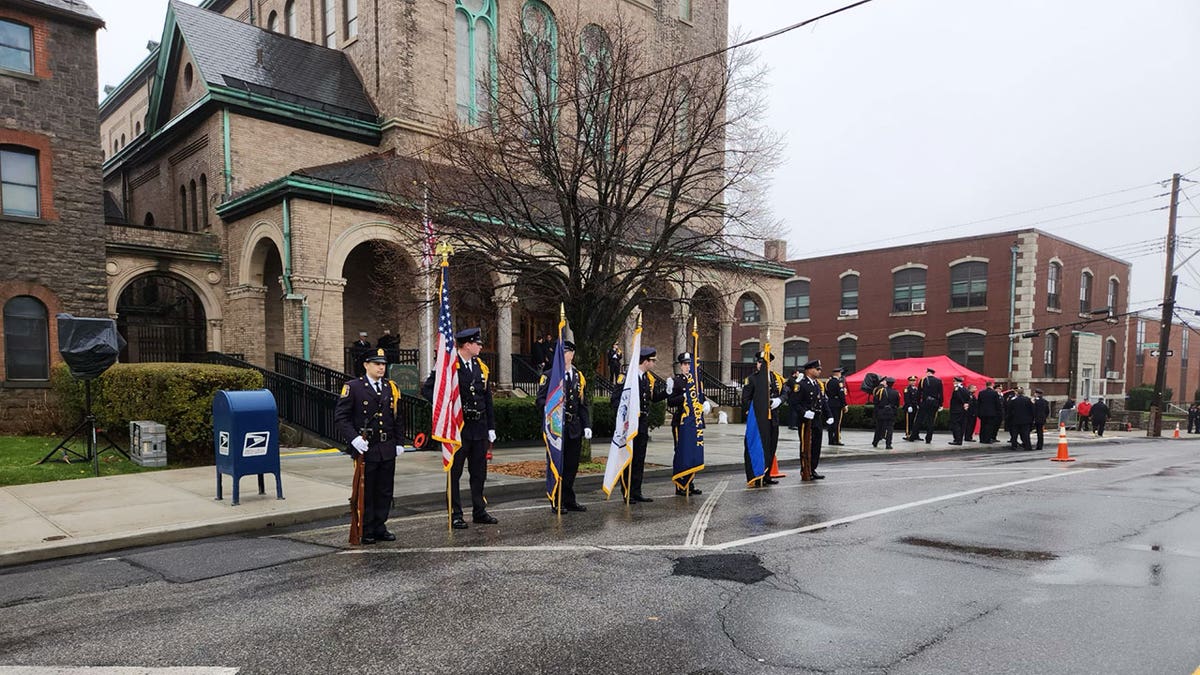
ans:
(239, 56)
(67, 9)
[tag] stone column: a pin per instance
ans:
(682, 329)
(214, 335)
(245, 308)
(726, 347)
(504, 301)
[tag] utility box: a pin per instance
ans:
(246, 438)
(147, 443)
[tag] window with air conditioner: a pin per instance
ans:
(908, 290)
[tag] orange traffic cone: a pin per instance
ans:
(775, 472)
(1176, 435)
(1062, 445)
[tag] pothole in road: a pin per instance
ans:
(743, 568)
(1006, 553)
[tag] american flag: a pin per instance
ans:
(447, 404)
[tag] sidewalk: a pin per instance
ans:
(42, 521)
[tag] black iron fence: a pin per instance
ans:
(312, 373)
(718, 392)
(354, 356)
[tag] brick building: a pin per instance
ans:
(1025, 307)
(51, 214)
(1183, 373)
(240, 159)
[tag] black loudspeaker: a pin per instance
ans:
(89, 346)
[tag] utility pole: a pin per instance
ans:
(1168, 310)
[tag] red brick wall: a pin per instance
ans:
(45, 159)
(41, 55)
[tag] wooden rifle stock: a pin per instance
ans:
(357, 495)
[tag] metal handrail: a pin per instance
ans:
(354, 356)
(312, 373)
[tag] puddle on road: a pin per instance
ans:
(743, 568)
(991, 552)
(1079, 570)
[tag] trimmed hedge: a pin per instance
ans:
(178, 395)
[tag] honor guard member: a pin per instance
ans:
(991, 409)
(912, 404)
(972, 414)
(615, 357)
(1021, 412)
(577, 424)
(676, 396)
(1041, 411)
(651, 388)
(813, 407)
(479, 426)
(960, 400)
(931, 403)
(777, 389)
(887, 403)
(365, 415)
(835, 391)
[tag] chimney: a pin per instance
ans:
(775, 249)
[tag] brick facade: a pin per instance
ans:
(53, 257)
(1183, 371)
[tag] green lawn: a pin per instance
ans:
(19, 456)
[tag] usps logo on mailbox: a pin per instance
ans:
(256, 443)
(223, 445)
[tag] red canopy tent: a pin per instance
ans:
(944, 368)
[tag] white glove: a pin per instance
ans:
(829, 422)
(808, 414)
(587, 433)
(491, 435)
(775, 402)
(910, 408)
(670, 385)
(399, 450)
(359, 443)
(707, 407)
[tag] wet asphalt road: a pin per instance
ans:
(999, 562)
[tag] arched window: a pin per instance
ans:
(195, 211)
(539, 63)
(329, 24)
(750, 310)
(187, 77)
(475, 37)
(848, 354)
(16, 46)
(289, 18)
(908, 290)
(351, 23)
(796, 300)
(122, 140)
(966, 349)
(1085, 293)
(116, 145)
(968, 285)
(183, 208)
(795, 354)
(1054, 286)
(19, 192)
(273, 22)
(148, 221)
(1110, 354)
(749, 352)
(849, 295)
(1114, 288)
(137, 128)
(596, 64)
(26, 339)
(1050, 356)
(204, 201)
(907, 346)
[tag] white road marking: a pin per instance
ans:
(891, 509)
(115, 670)
(704, 515)
(1163, 549)
(703, 547)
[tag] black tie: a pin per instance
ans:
(378, 389)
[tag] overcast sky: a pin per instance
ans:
(912, 120)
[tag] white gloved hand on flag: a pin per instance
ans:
(808, 414)
(829, 422)
(359, 443)
(670, 385)
(910, 408)
(399, 450)
(491, 435)
(775, 402)
(707, 407)
(587, 433)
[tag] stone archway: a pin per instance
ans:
(265, 270)
(161, 317)
(379, 298)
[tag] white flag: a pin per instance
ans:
(625, 428)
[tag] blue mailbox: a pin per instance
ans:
(246, 438)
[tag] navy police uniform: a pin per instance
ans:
(368, 409)
(676, 400)
(931, 402)
(576, 418)
(835, 391)
(887, 403)
(651, 388)
(810, 397)
(912, 403)
(479, 417)
(775, 389)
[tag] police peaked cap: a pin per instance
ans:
(889, 379)
(685, 357)
(839, 369)
(568, 346)
(930, 371)
(815, 363)
(648, 353)
(377, 357)
(469, 335)
(958, 378)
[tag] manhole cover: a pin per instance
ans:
(743, 568)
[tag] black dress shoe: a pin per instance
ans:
(954, 443)
(386, 536)
(485, 519)
(367, 541)
(817, 476)
(889, 447)
(458, 524)
(639, 498)
(576, 506)
(875, 445)
(770, 481)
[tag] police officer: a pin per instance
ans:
(359, 350)
(775, 393)
(960, 401)
(887, 403)
(651, 388)
(615, 356)
(931, 403)
(577, 424)
(813, 407)
(479, 426)
(1041, 411)
(835, 391)
(991, 409)
(365, 416)
(677, 388)
(912, 404)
